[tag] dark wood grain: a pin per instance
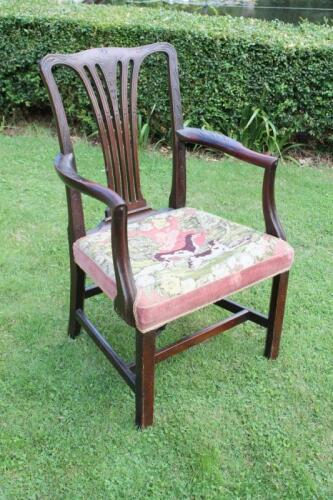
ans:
(107, 350)
(225, 144)
(276, 315)
(91, 291)
(145, 367)
(255, 316)
(272, 221)
(77, 296)
(201, 336)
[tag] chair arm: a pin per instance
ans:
(269, 163)
(223, 143)
(126, 290)
(64, 165)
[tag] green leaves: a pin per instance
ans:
(225, 65)
(144, 128)
(260, 133)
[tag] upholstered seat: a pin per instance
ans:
(183, 260)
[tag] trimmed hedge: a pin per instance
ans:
(226, 64)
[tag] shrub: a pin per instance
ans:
(226, 64)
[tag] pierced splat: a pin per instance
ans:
(110, 77)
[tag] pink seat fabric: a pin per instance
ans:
(183, 260)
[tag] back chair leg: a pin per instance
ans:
(276, 314)
(144, 385)
(76, 298)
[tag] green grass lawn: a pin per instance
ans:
(228, 423)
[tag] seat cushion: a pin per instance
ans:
(183, 260)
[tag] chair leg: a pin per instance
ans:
(276, 314)
(144, 385)
(76, 298)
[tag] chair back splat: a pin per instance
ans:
(110, 77)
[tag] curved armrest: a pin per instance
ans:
(269, 163)
(223, 143)
(126, 290)
(64, 165)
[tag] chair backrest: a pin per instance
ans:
(110, 77)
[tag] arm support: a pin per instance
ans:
(64, 166)
(223, 143)
(126, 291)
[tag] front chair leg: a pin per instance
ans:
(76, 298)
(276, 314)
(144, 385)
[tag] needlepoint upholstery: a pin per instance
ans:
(182, 260)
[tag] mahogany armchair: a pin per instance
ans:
(158, 265)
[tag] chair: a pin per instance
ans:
(158, 265)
